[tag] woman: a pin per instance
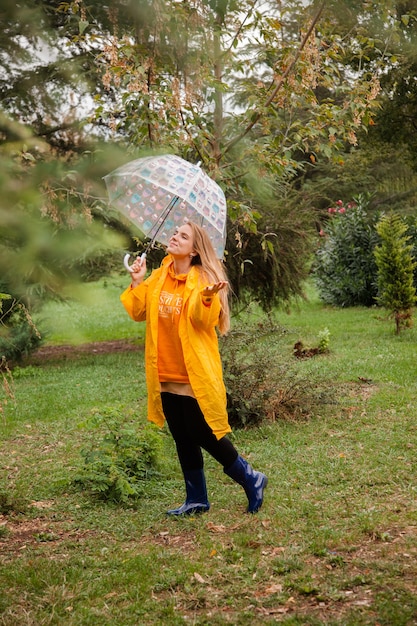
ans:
(183, 302)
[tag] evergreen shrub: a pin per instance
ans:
(394, 257)
(411, 222)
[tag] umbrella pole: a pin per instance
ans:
(162, 220)
(163, 217)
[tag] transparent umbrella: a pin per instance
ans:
(157, 193)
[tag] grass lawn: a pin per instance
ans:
(336, 540)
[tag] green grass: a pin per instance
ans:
(93, 313)
(336, 540)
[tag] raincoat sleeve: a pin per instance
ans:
(134, 301)
(204, 316)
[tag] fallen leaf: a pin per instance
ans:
(216, 528)
(277, 611)
(275, 588)
(269, 591)
(362, 602)
(200, 578)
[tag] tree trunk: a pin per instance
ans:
(218, 96)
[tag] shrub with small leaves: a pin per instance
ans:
(118, 464)
(262, 381)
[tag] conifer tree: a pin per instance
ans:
(395, 263)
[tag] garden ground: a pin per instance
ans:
(334, 544)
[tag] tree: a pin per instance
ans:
(50, 182)
(237, 82)
(396, 120)
(382, 162)
(51, 216)
(258, 93)
(396, 291)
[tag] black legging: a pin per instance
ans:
(191, 433)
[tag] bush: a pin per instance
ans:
(117, 465)
(18, 333)
(345, 269)
(262, 378)
(268, 263)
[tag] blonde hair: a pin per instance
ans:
(212, 271)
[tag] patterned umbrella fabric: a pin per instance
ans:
(162, 192)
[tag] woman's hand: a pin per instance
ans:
(138, 271)
(211, 290)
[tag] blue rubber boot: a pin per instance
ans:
(252, 482)
(196, 490)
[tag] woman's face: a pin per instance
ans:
(181, 244)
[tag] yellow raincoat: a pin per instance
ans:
(199, 343)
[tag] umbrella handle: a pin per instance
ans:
(126, 261)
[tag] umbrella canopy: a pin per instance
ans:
(162, 192)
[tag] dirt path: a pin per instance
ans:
(56, 353)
